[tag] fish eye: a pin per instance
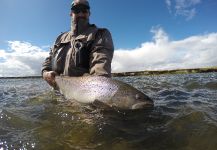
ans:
(137, 96)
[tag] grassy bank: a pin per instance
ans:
(159, 72)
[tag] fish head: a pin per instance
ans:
(128, 97)
(132, 100)
(142, 101)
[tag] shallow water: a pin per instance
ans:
(184, 117)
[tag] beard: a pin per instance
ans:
(79, 25)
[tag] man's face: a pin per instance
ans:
(80, 13)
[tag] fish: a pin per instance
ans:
(99, 90)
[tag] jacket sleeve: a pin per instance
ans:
(47, 64)
(101, 54)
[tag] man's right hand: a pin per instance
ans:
(49, 76)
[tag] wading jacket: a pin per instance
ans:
(88, 53)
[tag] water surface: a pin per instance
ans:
(184, 117)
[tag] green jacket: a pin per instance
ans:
(90, 52)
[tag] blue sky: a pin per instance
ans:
(153, 34)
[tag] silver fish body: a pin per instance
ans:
(98, 89)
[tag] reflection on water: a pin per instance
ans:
(184, 117)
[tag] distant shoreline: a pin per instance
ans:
(141, 73)
(26, 77)
(160, 72)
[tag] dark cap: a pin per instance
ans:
(80, 3)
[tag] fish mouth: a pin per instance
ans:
(142, 105)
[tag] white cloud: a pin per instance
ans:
(2, 54)
(169, 3)
(185, 8)
(163, 53)
(22, 59)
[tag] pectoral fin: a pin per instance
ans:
(101, 105)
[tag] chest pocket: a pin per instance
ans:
(59, 55)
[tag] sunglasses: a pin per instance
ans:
(77, 11)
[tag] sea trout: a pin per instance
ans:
(107, 91)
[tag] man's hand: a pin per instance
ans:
(49, 76)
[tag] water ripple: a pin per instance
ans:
(184, 116)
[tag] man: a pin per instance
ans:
(85, 50)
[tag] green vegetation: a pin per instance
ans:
(177, 71)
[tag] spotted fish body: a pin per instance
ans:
(94, 89)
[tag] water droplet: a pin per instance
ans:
(33, 145)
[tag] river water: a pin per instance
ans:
(32, 116)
